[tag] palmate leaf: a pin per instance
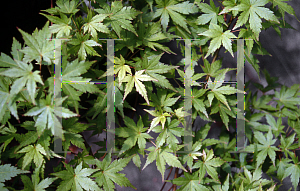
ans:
(120, 68)
(73, 128)
(137, 81)
(155, 69)
(94, 24)
(160, 117)
(25, 76)
(65, 6)
(288, 97)
(253, 181)
(134, 134)
(173, 9)
(286, 144)
(118, 16)
(193, 155)
(83, 46)
(46, 112)
(224, 113)
(38, 45)
(33, 153)
(7, 99)
(208, 165)
(108, 174)
(61, 26)
(293, 169)
(218, 38)
(70, 75)
(162, 156)
(283, 7)
(189, 183)
(8, 134)
(35, 184)
(169, 134)
(264, 147)
(77, 179)
(218, 91)
(211, 14)
(253, 11)
(148, 37)
(7, 172)
(163, 100)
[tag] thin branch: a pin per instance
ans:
(175, 176)
(166, 179)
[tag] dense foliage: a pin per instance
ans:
(27, 112)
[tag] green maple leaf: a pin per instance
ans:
(197, 102)
(286, 144)
(218, 38)
(64, 6)
(218, 91)
(173, 9)
(47, 115)
(73, 128)
(7, 172)
(189, 158)
(212, 70)
(155, 69)
(283, 7)
(25, 76)
(7, 99)
(73, 72)
(83, 46)
(94, 24)
(77, 179)
(169, 134)
(39, 46)
(264, 147)
(33, 153)
(253, 181)
(148, 37)
(61, 26)
(134, 134)
(35, 184)
(108, 174)
(121, 68)
(281, 166)
(162, 156)
(139, 86)
(160, 117)
(189, 183)
(253, 11)
(118, 16)
(293, 169)
(8, 134)
(208, 165)
(287, 97)
(224, 112)
(276, 127)
(163, 100)
(211, 14)
(99, 105)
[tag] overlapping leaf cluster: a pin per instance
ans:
(142, 75)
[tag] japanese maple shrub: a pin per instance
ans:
(141, 30)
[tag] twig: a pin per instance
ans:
(136, 98)
(153, 143)
(175, 176)
(166, 179)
